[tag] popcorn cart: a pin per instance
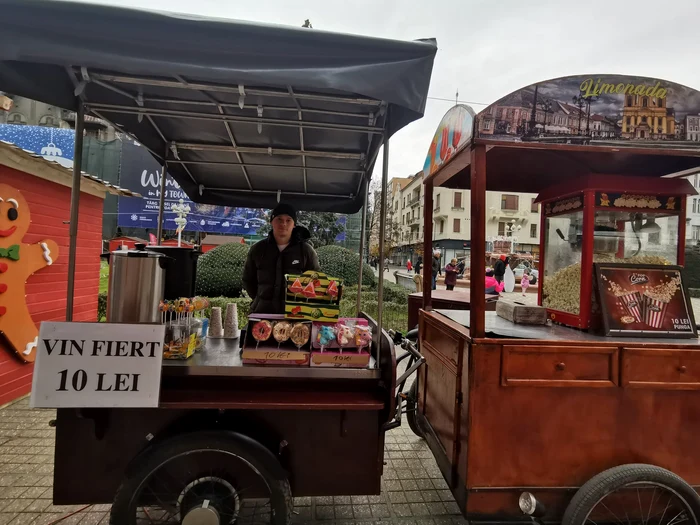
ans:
(597, 219)
(209, 438)
(584, 413)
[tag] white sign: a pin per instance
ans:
(88, 365)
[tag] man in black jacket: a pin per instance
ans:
(285, 251)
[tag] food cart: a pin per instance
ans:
(591, 416)
(240, 115)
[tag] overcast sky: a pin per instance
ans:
(489, 48)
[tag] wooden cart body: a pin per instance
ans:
(325, 425)
(544, 415)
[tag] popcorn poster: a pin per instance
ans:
(644, 300)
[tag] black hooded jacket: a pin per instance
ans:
(266, 266)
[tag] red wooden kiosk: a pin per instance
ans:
(531, 418)
(227, 442)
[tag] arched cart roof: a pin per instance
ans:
(573, 126)
(250, 109)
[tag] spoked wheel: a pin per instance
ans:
(209, 478)
(634, 494)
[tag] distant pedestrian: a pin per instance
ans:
(386, 264)
(451, 272)
(499, 269)
(436, 268)
(409, 266)
(525, 281)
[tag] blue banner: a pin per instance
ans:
(140, 172)
(54, 144)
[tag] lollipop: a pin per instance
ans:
(281, 332)
(363, 336)
(309, 291)
(296, 287)
(332, 289)
(261, 331)
(345, 336)
(300, 334)
(326, 334)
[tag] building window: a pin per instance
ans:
(442, 226)
(501, 229)
(534, 207)
(455, 225)
(437, 202)
(644, 102)
(533, 230)
(487, 124)
(509, 202)
(458, 199)
(695, 204)
(629, 101)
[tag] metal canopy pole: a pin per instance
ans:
(363, 232)
(382, 231)
(161, 202)
(75, 207)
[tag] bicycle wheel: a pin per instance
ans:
(212, 478)
(634, 494)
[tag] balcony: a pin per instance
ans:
(414, 202)
(414, 221)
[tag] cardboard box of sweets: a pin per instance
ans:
(313, 296)
(275, 341)
(327, 350)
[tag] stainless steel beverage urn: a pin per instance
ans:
(136, 285)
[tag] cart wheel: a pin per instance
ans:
(212, 478)
(634, 494)
(412, 409)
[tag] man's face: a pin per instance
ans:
(282, 227)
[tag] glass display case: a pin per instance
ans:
(600, 222)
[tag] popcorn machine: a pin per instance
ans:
(605, 219)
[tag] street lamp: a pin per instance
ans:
(547, 108)
(511, 229)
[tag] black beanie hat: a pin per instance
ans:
(284, 209)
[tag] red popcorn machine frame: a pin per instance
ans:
(605, 219)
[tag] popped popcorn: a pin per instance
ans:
(562, 291)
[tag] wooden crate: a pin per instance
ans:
(521, 313)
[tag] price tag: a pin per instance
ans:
(333, 358)
(275, 355)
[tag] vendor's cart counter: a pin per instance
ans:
(222, 357)
(497, 327)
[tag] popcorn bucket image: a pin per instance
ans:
(633, 304)
(654, 310)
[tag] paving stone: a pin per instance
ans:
(7, 517)
(25, 518)
(380, 511)
(325, 512)
(343, 512)
(362, 511)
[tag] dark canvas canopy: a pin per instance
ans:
(243, 110)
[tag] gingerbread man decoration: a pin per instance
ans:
(17, 262)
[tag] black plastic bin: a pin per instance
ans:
(181, 272)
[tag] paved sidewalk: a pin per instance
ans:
(413, 490)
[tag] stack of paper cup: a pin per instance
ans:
(231, 322)
(215, 328)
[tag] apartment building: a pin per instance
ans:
(692, 214)
(512, 221)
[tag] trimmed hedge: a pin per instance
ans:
(344, 264)
(220, 271)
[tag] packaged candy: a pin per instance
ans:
(326, 335)
(282, 331)
(261, 331)
(300, 335)
(345, 336)
(363, 336)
